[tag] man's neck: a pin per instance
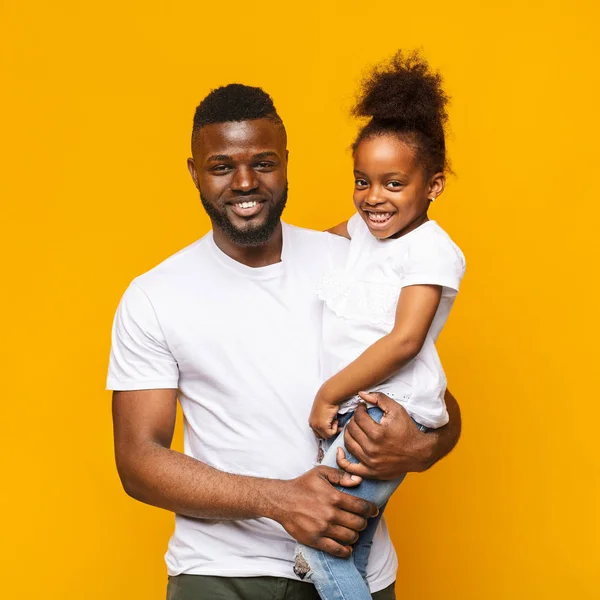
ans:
(252, 256)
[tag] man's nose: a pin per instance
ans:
(244, 180)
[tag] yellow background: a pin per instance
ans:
(97, 102)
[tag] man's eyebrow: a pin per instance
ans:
(218, 157)
(266, 154)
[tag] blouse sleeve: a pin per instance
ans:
(433, 259)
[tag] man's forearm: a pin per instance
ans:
(308, 507)
(448, 435)
(168, 479)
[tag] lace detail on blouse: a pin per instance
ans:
(367, 302)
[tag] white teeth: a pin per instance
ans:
(380, 217)
(247, 204)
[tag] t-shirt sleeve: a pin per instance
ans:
(139, 358)
(433, 259)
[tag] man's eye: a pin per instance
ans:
(265, 165)
(219, 168)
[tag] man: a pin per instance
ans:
(231, 326)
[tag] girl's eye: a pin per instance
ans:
(360, 183)
(395, 184)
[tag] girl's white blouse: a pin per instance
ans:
(360, 305)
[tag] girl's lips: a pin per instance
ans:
(378, 220)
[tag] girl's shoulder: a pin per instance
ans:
(428, 242)
(430, 238)
(429, 254)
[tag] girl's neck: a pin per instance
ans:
(411, 226)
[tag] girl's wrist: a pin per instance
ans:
(324, 395)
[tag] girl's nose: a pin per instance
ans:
(373, 197)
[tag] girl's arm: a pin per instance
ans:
(416, 309)
(341, 230)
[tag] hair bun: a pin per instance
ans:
(405, 93)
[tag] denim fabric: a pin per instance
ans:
(345, 578)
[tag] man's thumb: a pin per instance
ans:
(384, 402)
(339, 477)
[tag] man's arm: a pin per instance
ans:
(396, 446)
(309, 508)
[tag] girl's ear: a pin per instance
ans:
(436, 185)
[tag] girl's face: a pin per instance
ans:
(392, 191)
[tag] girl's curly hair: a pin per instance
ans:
(403, 96)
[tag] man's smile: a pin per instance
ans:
(246, 208)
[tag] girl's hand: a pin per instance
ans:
(323, 418)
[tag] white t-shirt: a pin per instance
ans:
(360, 307)
(242, 345)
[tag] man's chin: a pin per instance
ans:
(251, 234)
(244, 226)
(248, 233)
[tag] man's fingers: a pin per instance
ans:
(357, 442)
(362, 419)
(358, 470)
(342, 535)
(349, 480)
(356, 505)
(384, 402)
(332, 547)
(351, 521)
(337, 477)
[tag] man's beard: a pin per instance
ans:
(252, 236)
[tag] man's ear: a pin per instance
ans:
(192, 169)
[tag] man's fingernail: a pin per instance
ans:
(354, 477)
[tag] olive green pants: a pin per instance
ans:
(206, 587)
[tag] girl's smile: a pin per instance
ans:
(392, 190)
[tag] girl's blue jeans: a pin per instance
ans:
(345, 578)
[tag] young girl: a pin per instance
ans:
(386, 307)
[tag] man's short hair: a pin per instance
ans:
(234, 102)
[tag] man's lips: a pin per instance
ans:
(246, 207)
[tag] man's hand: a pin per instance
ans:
(395, 446)
(313, 512)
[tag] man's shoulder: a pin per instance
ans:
(323, 239)
(180, 265)
(319, 251)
